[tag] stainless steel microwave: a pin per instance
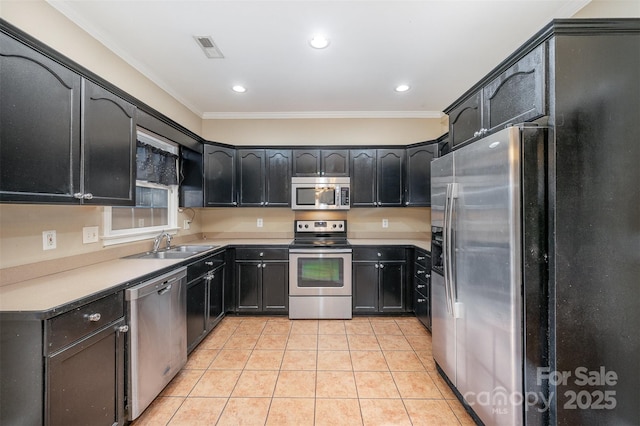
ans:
(320, 193)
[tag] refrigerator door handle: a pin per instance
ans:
(445, 248)
(453, 293)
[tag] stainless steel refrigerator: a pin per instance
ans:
(488, 203)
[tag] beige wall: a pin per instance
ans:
(334, 131)
(610, 9)
(46, 24)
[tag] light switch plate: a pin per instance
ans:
(385, 223)
(259, 222)
(48, 240)
(89, 234)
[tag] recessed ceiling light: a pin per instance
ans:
(402, 88)
(319, 42)
(239, 89)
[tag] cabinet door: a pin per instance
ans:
(363, 172)
(392, 286)
(219, 176)
(465, 120)
(390, 176)
(196, 310)
(251, 173)
(248, 285)
(191, 193)
(86, 381)
(306, 162)
(518, 94)
(334, 162)
(278, 178)
(39, 127)
(216, 297)
(418, 186)
(365, 286)
(108, 147)
(275, 287)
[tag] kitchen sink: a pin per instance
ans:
(178, 252)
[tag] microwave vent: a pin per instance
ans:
(208, 46)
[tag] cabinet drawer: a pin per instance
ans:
(379, 253)
(422, 258)
(262, 253)
(201, 267)
(80, 322)
(421, 285)
(422, 272)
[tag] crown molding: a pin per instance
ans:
(320, 114)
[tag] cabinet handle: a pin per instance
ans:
(88, 196)
(208, 263)
(261, 254)
(421, 300)
(379, 254)
(262, 203)
(78, 195)
(420, 272)
(421, 286)
(428, 276)
(93, 317)
(421, 257)
(264, 265)
(122, 329)
(376, 266)
(235, 203)
(259, 265)
(381, 266)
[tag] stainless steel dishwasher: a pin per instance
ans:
(157, 337)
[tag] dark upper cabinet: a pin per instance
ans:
(418, 187)
(390, 177)
(219, 176)
(465, 121)
(64, 138)
(278, 178)
(363, 185)
(264, 177)
(108, 147)
(515, 96)
(518, 94)
(377, 177)
(39, 126)
(191, 185)
(251, 177)
(321, 162)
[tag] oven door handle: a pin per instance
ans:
(320, 251)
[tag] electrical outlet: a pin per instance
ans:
(385, 223)
(89, 234)
(187, 224)
(48, 240)
(259, 222)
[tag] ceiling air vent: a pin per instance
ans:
(209, 47)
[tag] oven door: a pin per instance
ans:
(320, 272)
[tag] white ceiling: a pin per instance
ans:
(438, 47)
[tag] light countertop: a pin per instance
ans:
(54, 293)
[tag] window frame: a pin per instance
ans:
(121, 236)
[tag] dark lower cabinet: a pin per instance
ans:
(85, 381)
(262, 280)
(67, 369)
(205, 297)
(379, 280)
(422, 287)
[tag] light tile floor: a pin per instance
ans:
(276, 371)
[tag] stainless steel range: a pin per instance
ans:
(320, 270)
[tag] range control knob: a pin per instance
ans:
(306, 225)
(334, 226)
(340, 226)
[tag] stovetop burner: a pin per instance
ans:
(320, 233)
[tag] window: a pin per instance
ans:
(156, 206)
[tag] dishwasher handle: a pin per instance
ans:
(164, 290)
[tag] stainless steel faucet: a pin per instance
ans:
(156, 242)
